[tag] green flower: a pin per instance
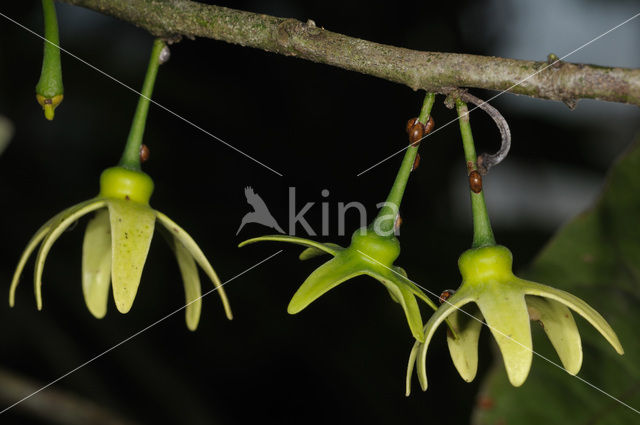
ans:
(369, 254)
(116, 244)
(506, 303)
(373, 249)
(491, 293)
(117, 239)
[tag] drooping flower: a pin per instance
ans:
(490, 293)
(369, 254)
(117, 238)
(506, 304)
(373, 249)
(116, 244)
(50, 90)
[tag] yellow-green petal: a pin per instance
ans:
(560, 328)
(132, 227)
(412, 361)
(402, 272)
(329, 248)
(327, 276)
(195, 251)
(31, 246)
(454, 303)
(313, 252)
(463, 348)
(191, 281)
(401, 293)
(505, 311)
(96, 263)
(399, 277)
(577, 305)
(60, 223)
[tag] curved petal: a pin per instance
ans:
(402, 280)
(132, 227)
(329, 248)
(412, 361)
(31, 246)
(463, 347)
(454, 303)
(60, 223)
(327, 276)
(191, 281)
(577, 305)
(312, 251)
(401, 293)
(96, 263)
(401, 271)
(561, 329)
(198, 256)
(505, 311)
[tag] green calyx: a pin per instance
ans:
(370, 245)
(121, 183)
(49, 90)
(489, 263)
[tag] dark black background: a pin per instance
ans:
(343, 359)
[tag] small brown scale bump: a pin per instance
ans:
(428, 127)
(415, 134)
(445, 295)
(416, 162)
(475, 181)
(144, 153)
(417, 131)
(398, 222)
(411, 123)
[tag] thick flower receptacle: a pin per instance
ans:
(489, 263)
(121, 183)
(383, 249)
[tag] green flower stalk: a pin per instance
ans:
(117, 238)
(490, 292)
(373, 249)
(49, 90)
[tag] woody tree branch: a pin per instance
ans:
(433, 71)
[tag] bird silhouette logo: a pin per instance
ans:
(260, 213)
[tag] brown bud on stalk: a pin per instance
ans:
(475, 181)
(397, 223)
(445, 295)
(144, 153)
(416, 162)
(417, 131)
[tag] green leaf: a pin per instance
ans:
(596, 257)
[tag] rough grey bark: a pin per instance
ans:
(438, 72)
